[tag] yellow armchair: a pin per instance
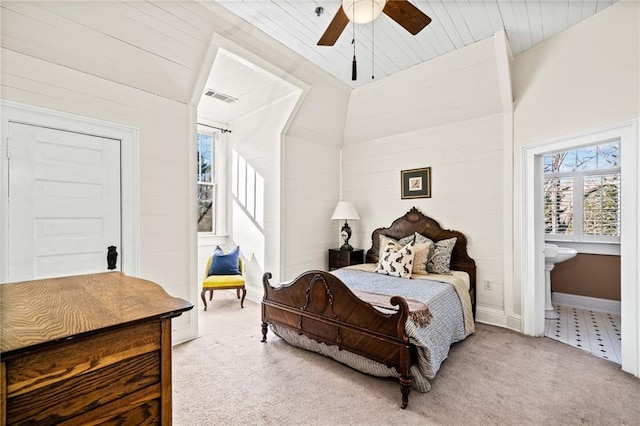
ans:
(223, 282)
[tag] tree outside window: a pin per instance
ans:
(206, 182)
(582, 193)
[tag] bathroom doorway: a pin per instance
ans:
(581, 203)
(533, 278)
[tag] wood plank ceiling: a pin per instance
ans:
(455, 24)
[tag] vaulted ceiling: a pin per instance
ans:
(156, 46)
(386, 48)
(160, 46)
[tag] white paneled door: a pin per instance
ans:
(64, 202)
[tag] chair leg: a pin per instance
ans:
(244, 293)
(204, 299)
(238, 293)
(210, 294)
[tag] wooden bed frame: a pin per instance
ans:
(320, 306)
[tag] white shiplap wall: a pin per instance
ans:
(445, 114)
(153, 46)
(257, 138)
(165, 207)
(312, 184)
(455, 87)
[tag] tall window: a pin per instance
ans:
(206, 182)
(582, 193)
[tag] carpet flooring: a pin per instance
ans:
(495, 376)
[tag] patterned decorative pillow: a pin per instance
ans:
(440, 260)
(383, 240)
(424, 246)
(396, 260)
(417, 237)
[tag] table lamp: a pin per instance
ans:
(345, 210)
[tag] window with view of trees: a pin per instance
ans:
(582, 193)
(206, 182)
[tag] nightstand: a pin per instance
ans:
(341, 258)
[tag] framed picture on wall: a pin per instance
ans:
(416, 183)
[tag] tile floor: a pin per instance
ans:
(595, 332)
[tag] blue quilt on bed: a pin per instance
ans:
(446, 327)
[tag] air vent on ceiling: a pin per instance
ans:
(220, 96)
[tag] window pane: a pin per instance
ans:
(608, 155)
(198, 143)
(205, 158)
(558, 206)
(587, 158)
(559, 162)
(205, 208)
(566, 161)
(602, 205)
(548, 163)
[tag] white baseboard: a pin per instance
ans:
(254, 293)
(491, 316)
(514, 323)
(497, 317)
(585, 302)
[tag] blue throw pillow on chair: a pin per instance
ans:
(225, 264)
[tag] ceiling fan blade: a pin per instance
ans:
(407, 15)
(335, 28)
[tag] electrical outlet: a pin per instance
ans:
(488, 285)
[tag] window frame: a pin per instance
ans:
(578, 177)
(202, 130)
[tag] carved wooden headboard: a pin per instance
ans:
(415, 221)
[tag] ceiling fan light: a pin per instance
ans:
(360, 11)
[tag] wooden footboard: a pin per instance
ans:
(320, 306)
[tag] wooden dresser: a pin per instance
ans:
(87, 349)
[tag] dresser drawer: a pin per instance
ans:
(60, 383)
(338, 255)
(339, 263)
(342, 258)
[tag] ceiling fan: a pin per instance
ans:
(363, 11)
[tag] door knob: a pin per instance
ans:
(112, 257)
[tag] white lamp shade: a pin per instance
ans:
(363, 11)
(345, 210)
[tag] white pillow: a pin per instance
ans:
(396, 260)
